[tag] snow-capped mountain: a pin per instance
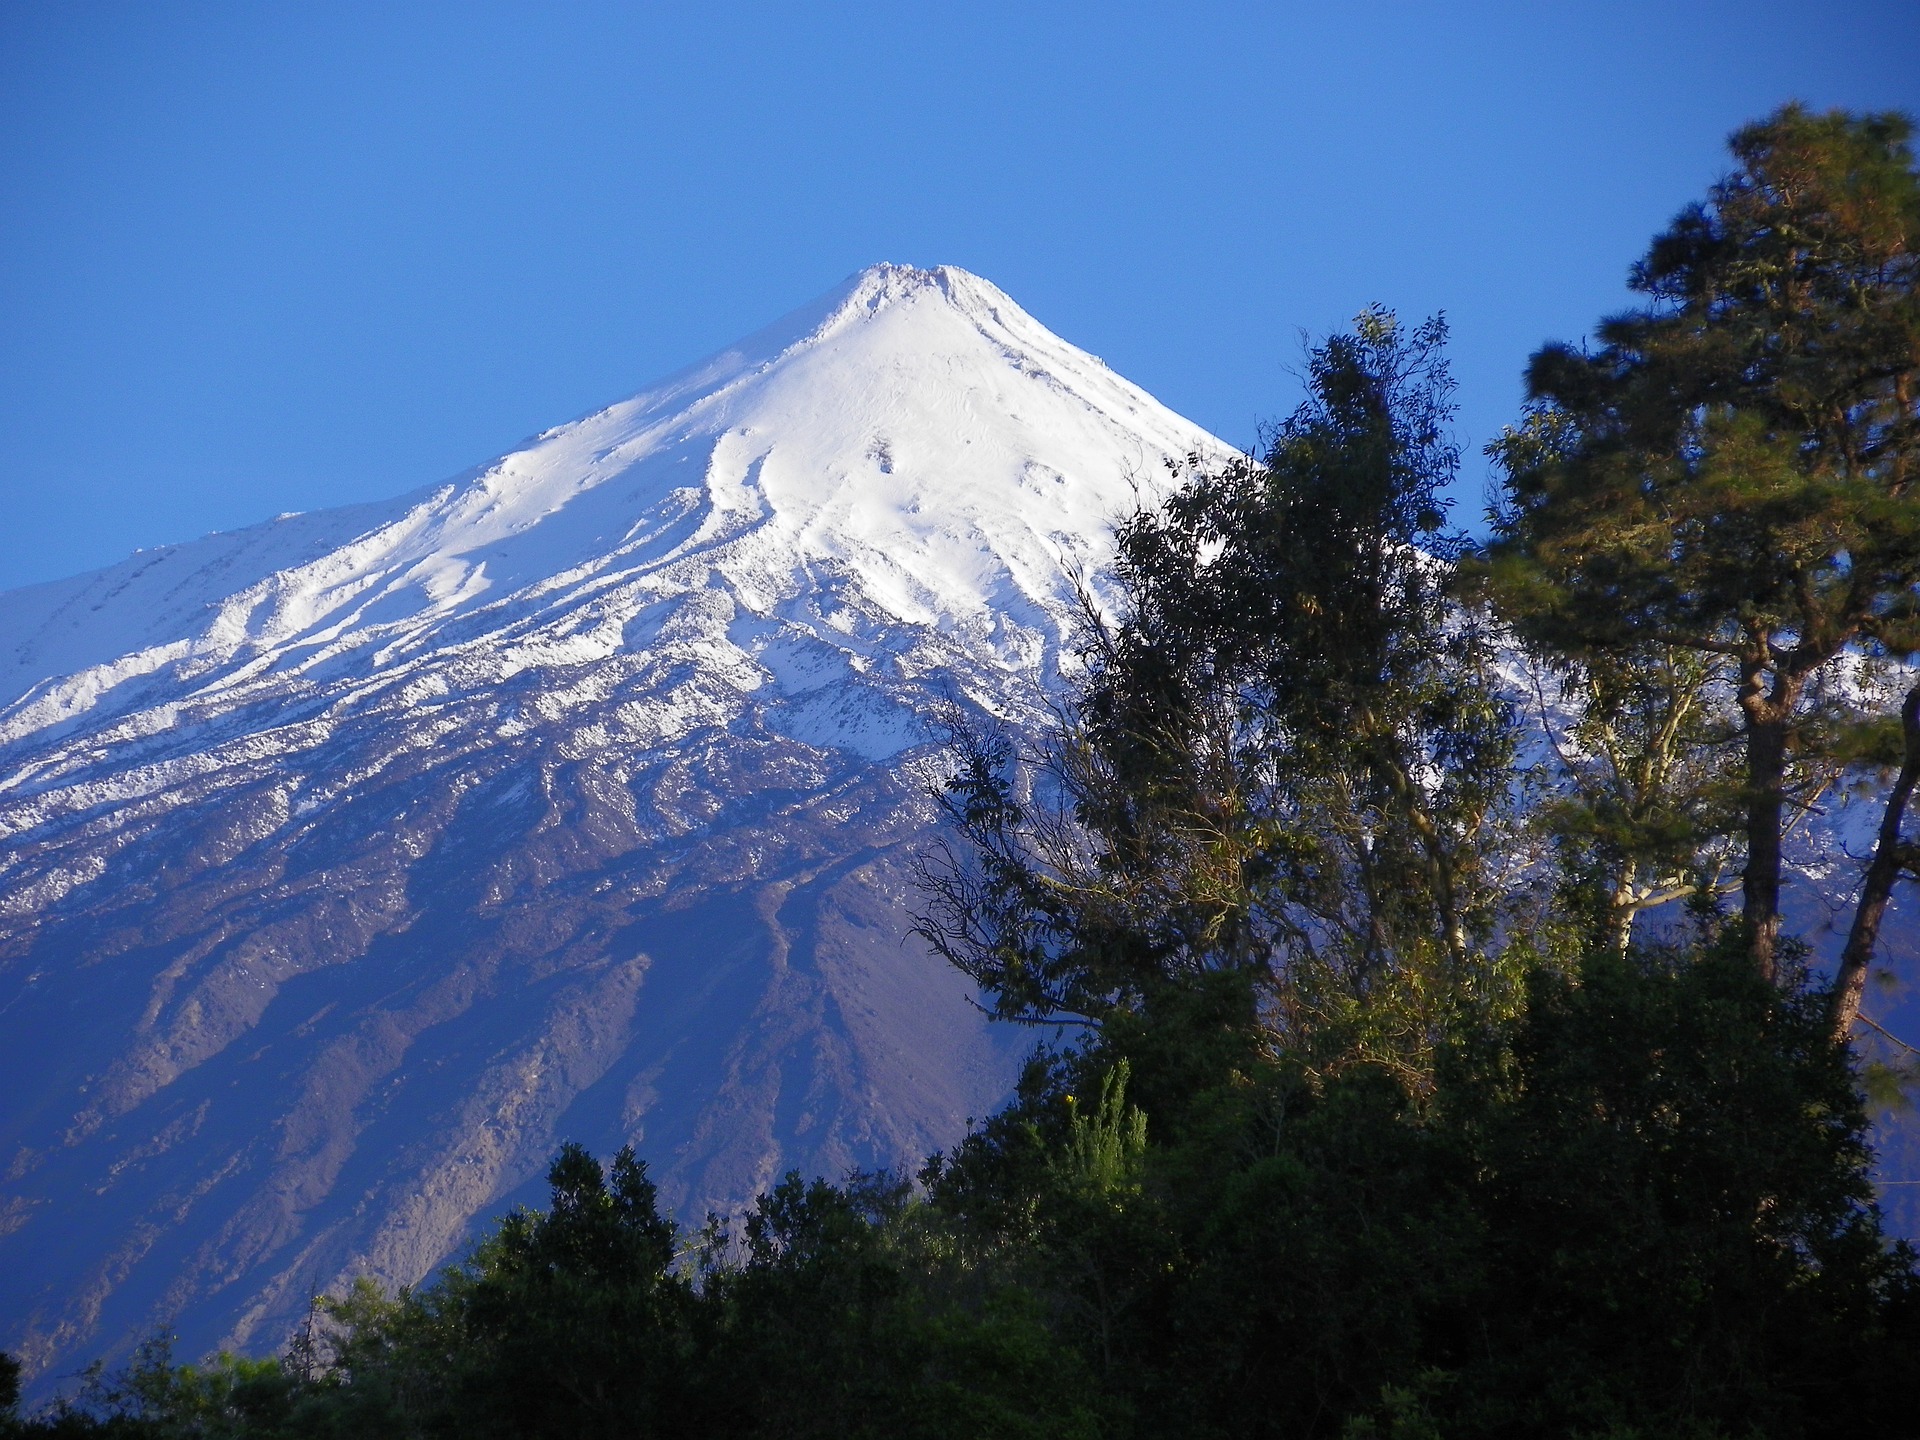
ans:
(351, 862)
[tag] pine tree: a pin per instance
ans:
(1731, 472)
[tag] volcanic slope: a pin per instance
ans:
(351, 862)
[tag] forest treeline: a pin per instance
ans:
(1427, 1054)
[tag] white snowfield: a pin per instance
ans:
(351, 862)
(914, 450)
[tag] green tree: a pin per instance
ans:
(1288, 766)
(568, 1321)
(574, 1320)
(1731, 471)
(857, 1312)
(1645, 800)
(1669, 1159)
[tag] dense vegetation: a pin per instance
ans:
(1381, 1101)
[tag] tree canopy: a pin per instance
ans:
(1731, 471)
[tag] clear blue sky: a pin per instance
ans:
(258, 257)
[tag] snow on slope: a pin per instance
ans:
(916, 434)
(350, 862)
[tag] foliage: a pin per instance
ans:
(1731, 472)
(1289, 759)
(1681, 1231)
(1641, 740)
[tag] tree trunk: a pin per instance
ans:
(1766, 802)
(1890, 855)
(1620, 915)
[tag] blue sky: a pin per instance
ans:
(262, 257)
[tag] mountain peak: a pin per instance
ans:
(885, 283)
(915, 426)
(353, 861)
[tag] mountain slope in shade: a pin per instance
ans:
(350, 862)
